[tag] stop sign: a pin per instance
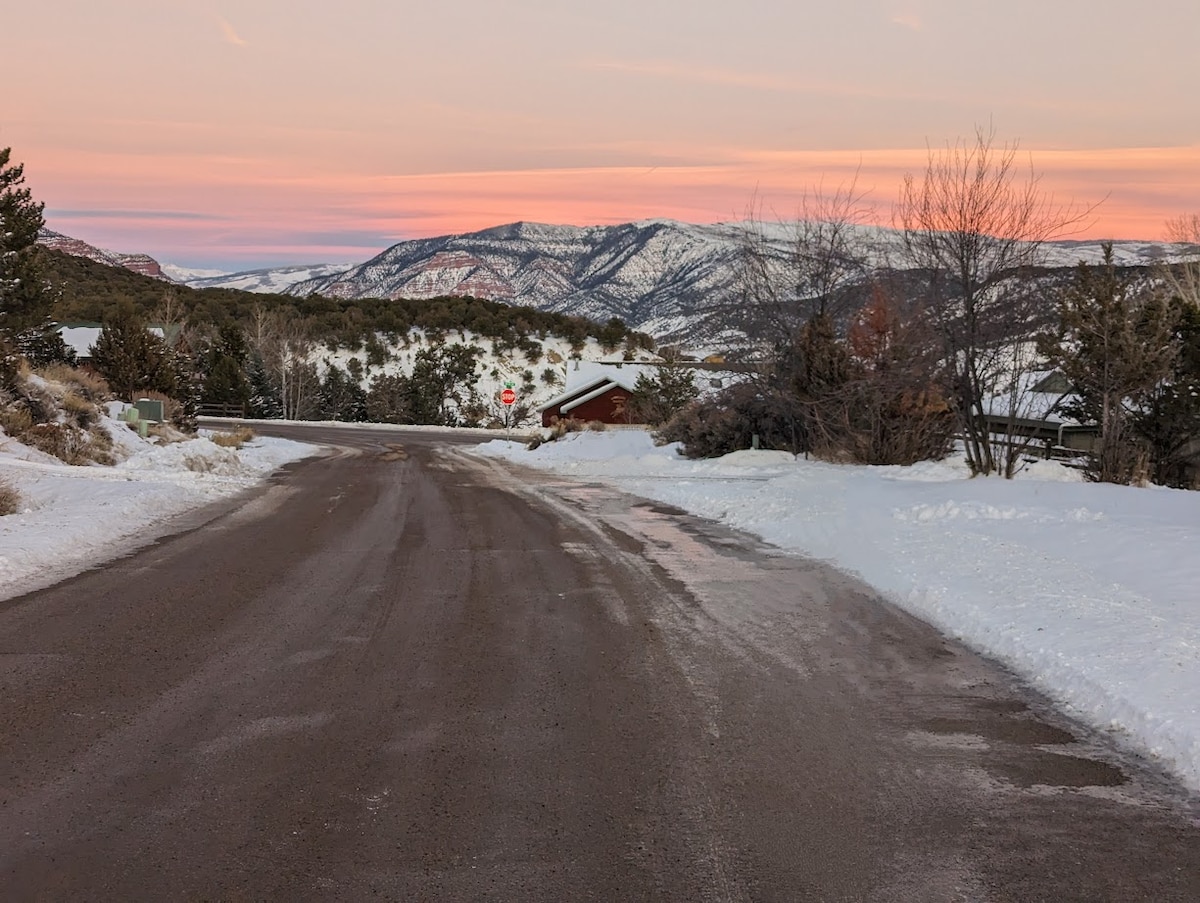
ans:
(508, 396)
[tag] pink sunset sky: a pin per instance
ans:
(266, 132)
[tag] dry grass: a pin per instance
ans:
(563, 426)
(64, 441)
(10, 499)
(41, 400)
(100, 446)
(70, 442)
(54, 410)
(560, 428)
(167, 433)
(234, 438)
(79, 410)
(15, 420)
(82, 382)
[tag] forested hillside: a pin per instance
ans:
(86, 291)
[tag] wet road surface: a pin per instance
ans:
(402, 672)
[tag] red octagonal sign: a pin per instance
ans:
(508, 396)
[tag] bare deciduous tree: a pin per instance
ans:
(974, 225)
(796, 281)
(287, 354)
(1183, 275)
(299, 382)
(790, 272)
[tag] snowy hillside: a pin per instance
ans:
(189, 274)
(268, 281)
(536, 381)
(662, 277)
(670, 279)
(654, 275)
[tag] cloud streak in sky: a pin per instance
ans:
(569, 117)
(758, 81)
(231, 36)
(135, 215)
(259, 216)
(908, 19)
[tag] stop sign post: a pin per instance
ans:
(508, 398)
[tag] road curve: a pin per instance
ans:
(402, 672)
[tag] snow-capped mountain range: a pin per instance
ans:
(653, 275)
(659, 276)
(275, 280)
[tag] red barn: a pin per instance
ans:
(605, 398)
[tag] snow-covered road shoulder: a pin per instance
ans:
(1091, 591)
(72, 518)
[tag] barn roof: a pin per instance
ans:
(583, 392)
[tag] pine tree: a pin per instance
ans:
(186, 392)
(443, 383)
(42, 345)
(658, 398)
(225, 380)
(265, 402)
(24, 301)
(131, 358)
(342, 398)
(1170, 418)
(1114, 344)
(389, 400)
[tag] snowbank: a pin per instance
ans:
(71, 518)
(1089, 590)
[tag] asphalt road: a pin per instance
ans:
(400, 672)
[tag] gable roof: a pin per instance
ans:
(588, 396)
(589, 379)
(583, 392)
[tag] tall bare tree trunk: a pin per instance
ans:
(974, 226)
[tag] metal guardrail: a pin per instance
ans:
(221, 410)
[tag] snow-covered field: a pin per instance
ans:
(72, 518)
(1091, 591)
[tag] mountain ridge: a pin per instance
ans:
(662, 277)
(659, 276)
(138, 263)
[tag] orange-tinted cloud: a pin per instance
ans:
(231, 36)
(674, 70)
(909, 20)
(263, 210)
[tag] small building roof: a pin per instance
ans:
(581, 392)
(80, 337)
(606, 386)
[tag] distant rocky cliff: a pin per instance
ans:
(139, 263)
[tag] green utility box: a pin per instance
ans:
(149, 410)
